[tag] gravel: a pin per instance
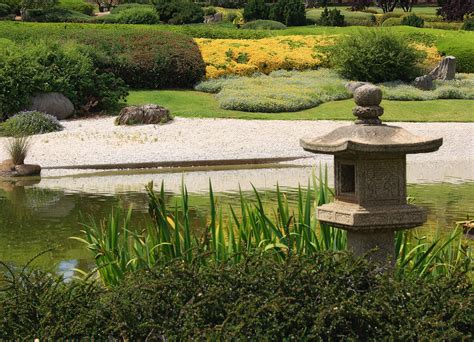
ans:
(99, 141)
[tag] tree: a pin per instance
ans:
(407, 5)
(387, 5)
(289, 12)
(456, 10)
(255, 9)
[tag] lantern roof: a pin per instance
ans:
(368, 134)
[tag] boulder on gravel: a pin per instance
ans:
(9, 169)
(55, 104)
(143, 115)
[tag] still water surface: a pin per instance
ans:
(37, 217)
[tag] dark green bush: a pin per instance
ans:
(142, 57)
(28, 69)
(179, 12)
(331, 18)
(264, 25)
(30, 123)
(375, 56)
(468, 25)
(4, 10)
(56, 15)
(320, 298)
(256, 9)
(413, 20)
(81, 7)
(289, 12)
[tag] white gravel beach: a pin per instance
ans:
(99, 141)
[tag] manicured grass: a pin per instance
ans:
(189, 103)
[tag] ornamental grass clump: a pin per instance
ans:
(31, 123)
(17, 149)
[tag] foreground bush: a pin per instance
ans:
(376, 56)
(30, 123)
(325, 297)
(26, 70)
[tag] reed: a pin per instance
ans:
(251, 229)
(18, 148)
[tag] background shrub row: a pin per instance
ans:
(322, 298)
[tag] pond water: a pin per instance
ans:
(43, 215)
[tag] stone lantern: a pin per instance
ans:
(370, 177)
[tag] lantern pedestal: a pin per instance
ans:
(379, 243)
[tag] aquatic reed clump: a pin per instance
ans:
(18, 149)
(252, 229)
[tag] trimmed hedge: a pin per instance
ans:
(264, 25)
(143, 58)
(78, 6)
(319, 298)
(56, 15)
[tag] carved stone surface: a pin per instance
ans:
(368, 95)
(353, 85)
(379, 246)
(446, 69)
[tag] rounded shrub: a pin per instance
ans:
(138, 16)
(78, 6)
(468, 25)
(375, 56)
(413, 20)
(30, 123)
(392, 22)
(255, 9)
(126, 7)
(264, 25)
(29, 69)
(210, 10)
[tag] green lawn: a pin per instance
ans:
(189, 103)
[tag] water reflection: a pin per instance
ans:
(35, 216)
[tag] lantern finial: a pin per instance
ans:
(368, 98)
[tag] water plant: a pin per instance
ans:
(251, 229)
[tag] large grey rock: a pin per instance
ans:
(446, 69)
(146, 114)
(424, 82)
(213, 18)
(55, 104)
(23, 170)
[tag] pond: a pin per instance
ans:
(38, 216)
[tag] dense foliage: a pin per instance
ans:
(375, 56)
(331, 18)
(141, 57)
(78, 6)
(30, 123)
(456, 10)
(55, 15)
(319, 298)
(255, 9)
(179, 12)
(141, 14)
(289, 12)
(28, 69)
(468, 25)
(5, 10)
(413, 20)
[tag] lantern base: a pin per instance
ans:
(379, 246)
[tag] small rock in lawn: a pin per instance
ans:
(142, 115)
(55, 104)
(423, 82)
